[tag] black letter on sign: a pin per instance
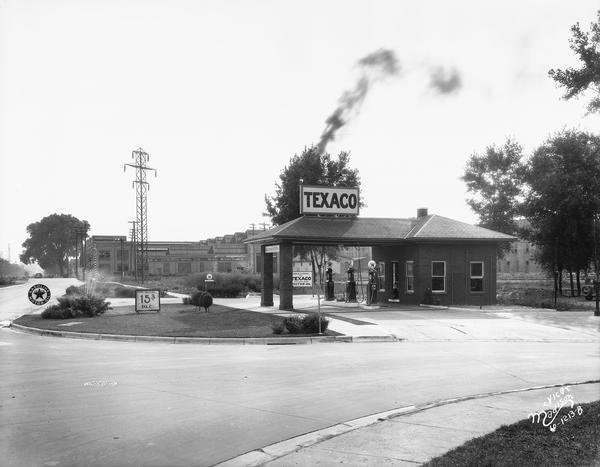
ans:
(352, 201)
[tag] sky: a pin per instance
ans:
(221, 94)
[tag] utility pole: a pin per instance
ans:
(141, 158)
(132, 254)
(597, 278)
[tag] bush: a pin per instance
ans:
(201, 299)
(206, 301)
(72, 306)
(75, 290)
(293, 324)
(308, 324)
(227, 285)
(278, 327)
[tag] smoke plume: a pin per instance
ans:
(374, 67)
(445, 81)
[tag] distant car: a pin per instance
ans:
(38, 275)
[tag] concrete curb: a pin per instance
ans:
(275, 451)
(206, 340)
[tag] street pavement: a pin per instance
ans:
(417, 435)
(14, 301)
(71, 402)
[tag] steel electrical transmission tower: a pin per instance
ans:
(141, 232)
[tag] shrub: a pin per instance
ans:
(201, 299)
(278, 327)
(72, 306)
(293, 324)
(187, 300)
(226, 284)
(308, 324)
(75, 290)
(206, 301)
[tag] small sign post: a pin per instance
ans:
(147, 300)
(209, 280)
(305, 279)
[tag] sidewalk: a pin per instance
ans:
(411, 435)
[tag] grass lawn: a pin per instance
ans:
(576, 442)
(174, 320)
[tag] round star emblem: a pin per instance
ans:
(39, 294)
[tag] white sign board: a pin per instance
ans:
(302, 279)
(328, 200)
(272, 249)
(147, 300)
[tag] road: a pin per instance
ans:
(14, 301)
(70, 402)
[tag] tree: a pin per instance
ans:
(578, 80)
(52, 240)
(563, 176)
(314, 168)
(8, 269)
(495, 179)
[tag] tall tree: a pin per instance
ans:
(586, 46)
(495, 181)
(312, 167)
(52, 240)
(563, 176)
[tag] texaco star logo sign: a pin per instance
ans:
(39, 294)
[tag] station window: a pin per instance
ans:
(410, 277)
(381, 275)
(438, 276)
(476, 274)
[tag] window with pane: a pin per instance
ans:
(410, 277)
(476, 276)
(438, 276)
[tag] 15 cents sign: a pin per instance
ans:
(147, 300)
(329, 200)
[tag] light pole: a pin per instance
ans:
(597, 278)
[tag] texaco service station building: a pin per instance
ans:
(429, 255)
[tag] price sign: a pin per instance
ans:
(147, 300)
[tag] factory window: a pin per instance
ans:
(410, 277)
(104, 254)
(184, 268)
(476, 274)
(224, 266)
(438, 276)
(166, 268)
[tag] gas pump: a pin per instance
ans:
(329, 284)
(373, 279)
(351, 286)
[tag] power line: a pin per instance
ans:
(141, 158)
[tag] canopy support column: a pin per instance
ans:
(286, 290)
(266, 296)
